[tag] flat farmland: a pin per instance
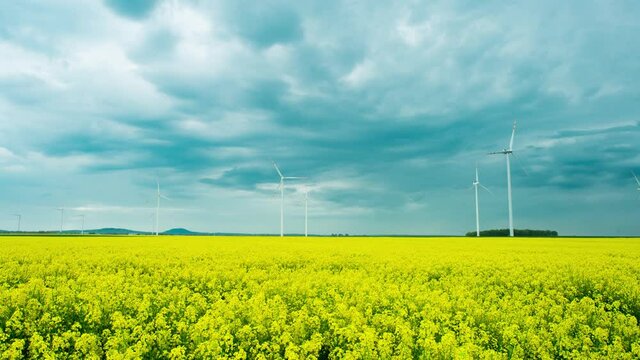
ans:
(328, 298)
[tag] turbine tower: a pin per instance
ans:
(282, 179)
(158, 196)
(507, 153)
(306, 213)
(476, 184)
(82, 229)
(61, 218)
(19, 217)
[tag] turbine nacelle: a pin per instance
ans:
(503, 152)
(476, 183)
(508, 150)
(282, 177)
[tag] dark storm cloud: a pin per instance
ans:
(586, 158)
(132, 8)
(263, 23)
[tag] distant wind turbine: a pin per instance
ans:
(61, 218)
(508, 152)
(306, 212)
(282, 179)
(476, 184)
(19, 217)
(158, 196)
(82, 228)
(637, 180)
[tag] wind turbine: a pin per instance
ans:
(158, 196)
(508, 152)
(306, 212)
(82, 229)
(19, 217)
(476, 183)
(61, 218)
(282, 179)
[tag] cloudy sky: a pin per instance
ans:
(386, 107)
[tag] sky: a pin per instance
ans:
(385, 107)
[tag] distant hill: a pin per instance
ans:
(103, 231)
(182, 231)
(122, 231)
(119, 231)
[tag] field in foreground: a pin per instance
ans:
(366, 298)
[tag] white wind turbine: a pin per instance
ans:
(82, 216)
(282, 179)
(19, 217)
(637, 180)
(508, 152)
(476, 184)
(61, 218)
(158, 196)
(306, 212)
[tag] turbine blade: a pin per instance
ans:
(486, 188)
(164, 197)
(277, 169)
(293, 177)
(496, 153)
(518, 161)
(513, 133)
(634, 175)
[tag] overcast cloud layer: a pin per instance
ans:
(385, 106)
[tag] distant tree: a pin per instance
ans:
(517, 232)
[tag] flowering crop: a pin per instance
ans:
(308, 298)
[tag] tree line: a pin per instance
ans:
(523, 233)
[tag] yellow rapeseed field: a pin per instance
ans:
(335, 298)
